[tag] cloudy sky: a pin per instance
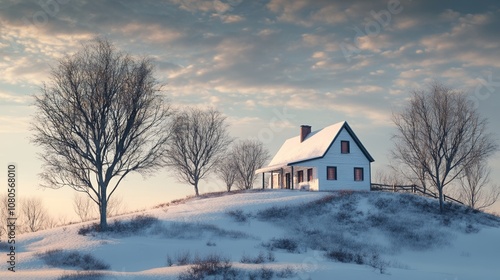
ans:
(269, 65)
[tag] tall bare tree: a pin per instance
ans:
(249, 155)
(475, 187)
(199, 139)
(226, 170)
(99, 118)
(439, 134)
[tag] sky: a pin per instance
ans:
(269, 66)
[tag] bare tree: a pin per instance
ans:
(475, 188)
(226, 171)
(99, 118)
(83, 207)
(116, 206)
(62, 220)
(34, 214)
(249, 155)
(199, 138)
(50, 222)
(411, 174)
(4, 214)
(439, 134)
(390, 176)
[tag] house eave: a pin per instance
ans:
(271, 168)
(278, 167)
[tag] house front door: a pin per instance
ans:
(287, 181)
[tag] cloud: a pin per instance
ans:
(322, 12)
(405, 23)
(231, 18)
(369, 104)
(29, 53)
(24, 70)
(231, 52)
(308, 13)
(289, 11)
(374, 43)
(469, 40)
(265, 128)
(413, 73)
(9, 98)
(147, 32)
(205, 5)
(406, 84)
(319, 55)
(449, 15)
(267, 32)
(377, 72)
(375, 115)
(327, 42)
(331, 14)
(14, 124)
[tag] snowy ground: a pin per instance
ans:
(406, 236)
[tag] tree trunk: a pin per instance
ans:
(441, 199)
(103, 211)
(196, 188)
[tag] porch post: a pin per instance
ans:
(291, 179)
(263, 179)
(272, 179)
(281, 179)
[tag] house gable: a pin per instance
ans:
(344, 164)
(356, 140)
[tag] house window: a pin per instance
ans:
(331, 173)
(300, 176)
(344, 147)
(309, 175)
(358, 174)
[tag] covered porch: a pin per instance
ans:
(290, 177)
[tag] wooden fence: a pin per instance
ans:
(411, 189)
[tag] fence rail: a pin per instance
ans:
(411, 189)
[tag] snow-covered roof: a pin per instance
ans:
(315, 145)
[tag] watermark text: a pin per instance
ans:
(11, 216)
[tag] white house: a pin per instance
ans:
(331, 158)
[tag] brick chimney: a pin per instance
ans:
(304, 131)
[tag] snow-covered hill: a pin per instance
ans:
(274, 235)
